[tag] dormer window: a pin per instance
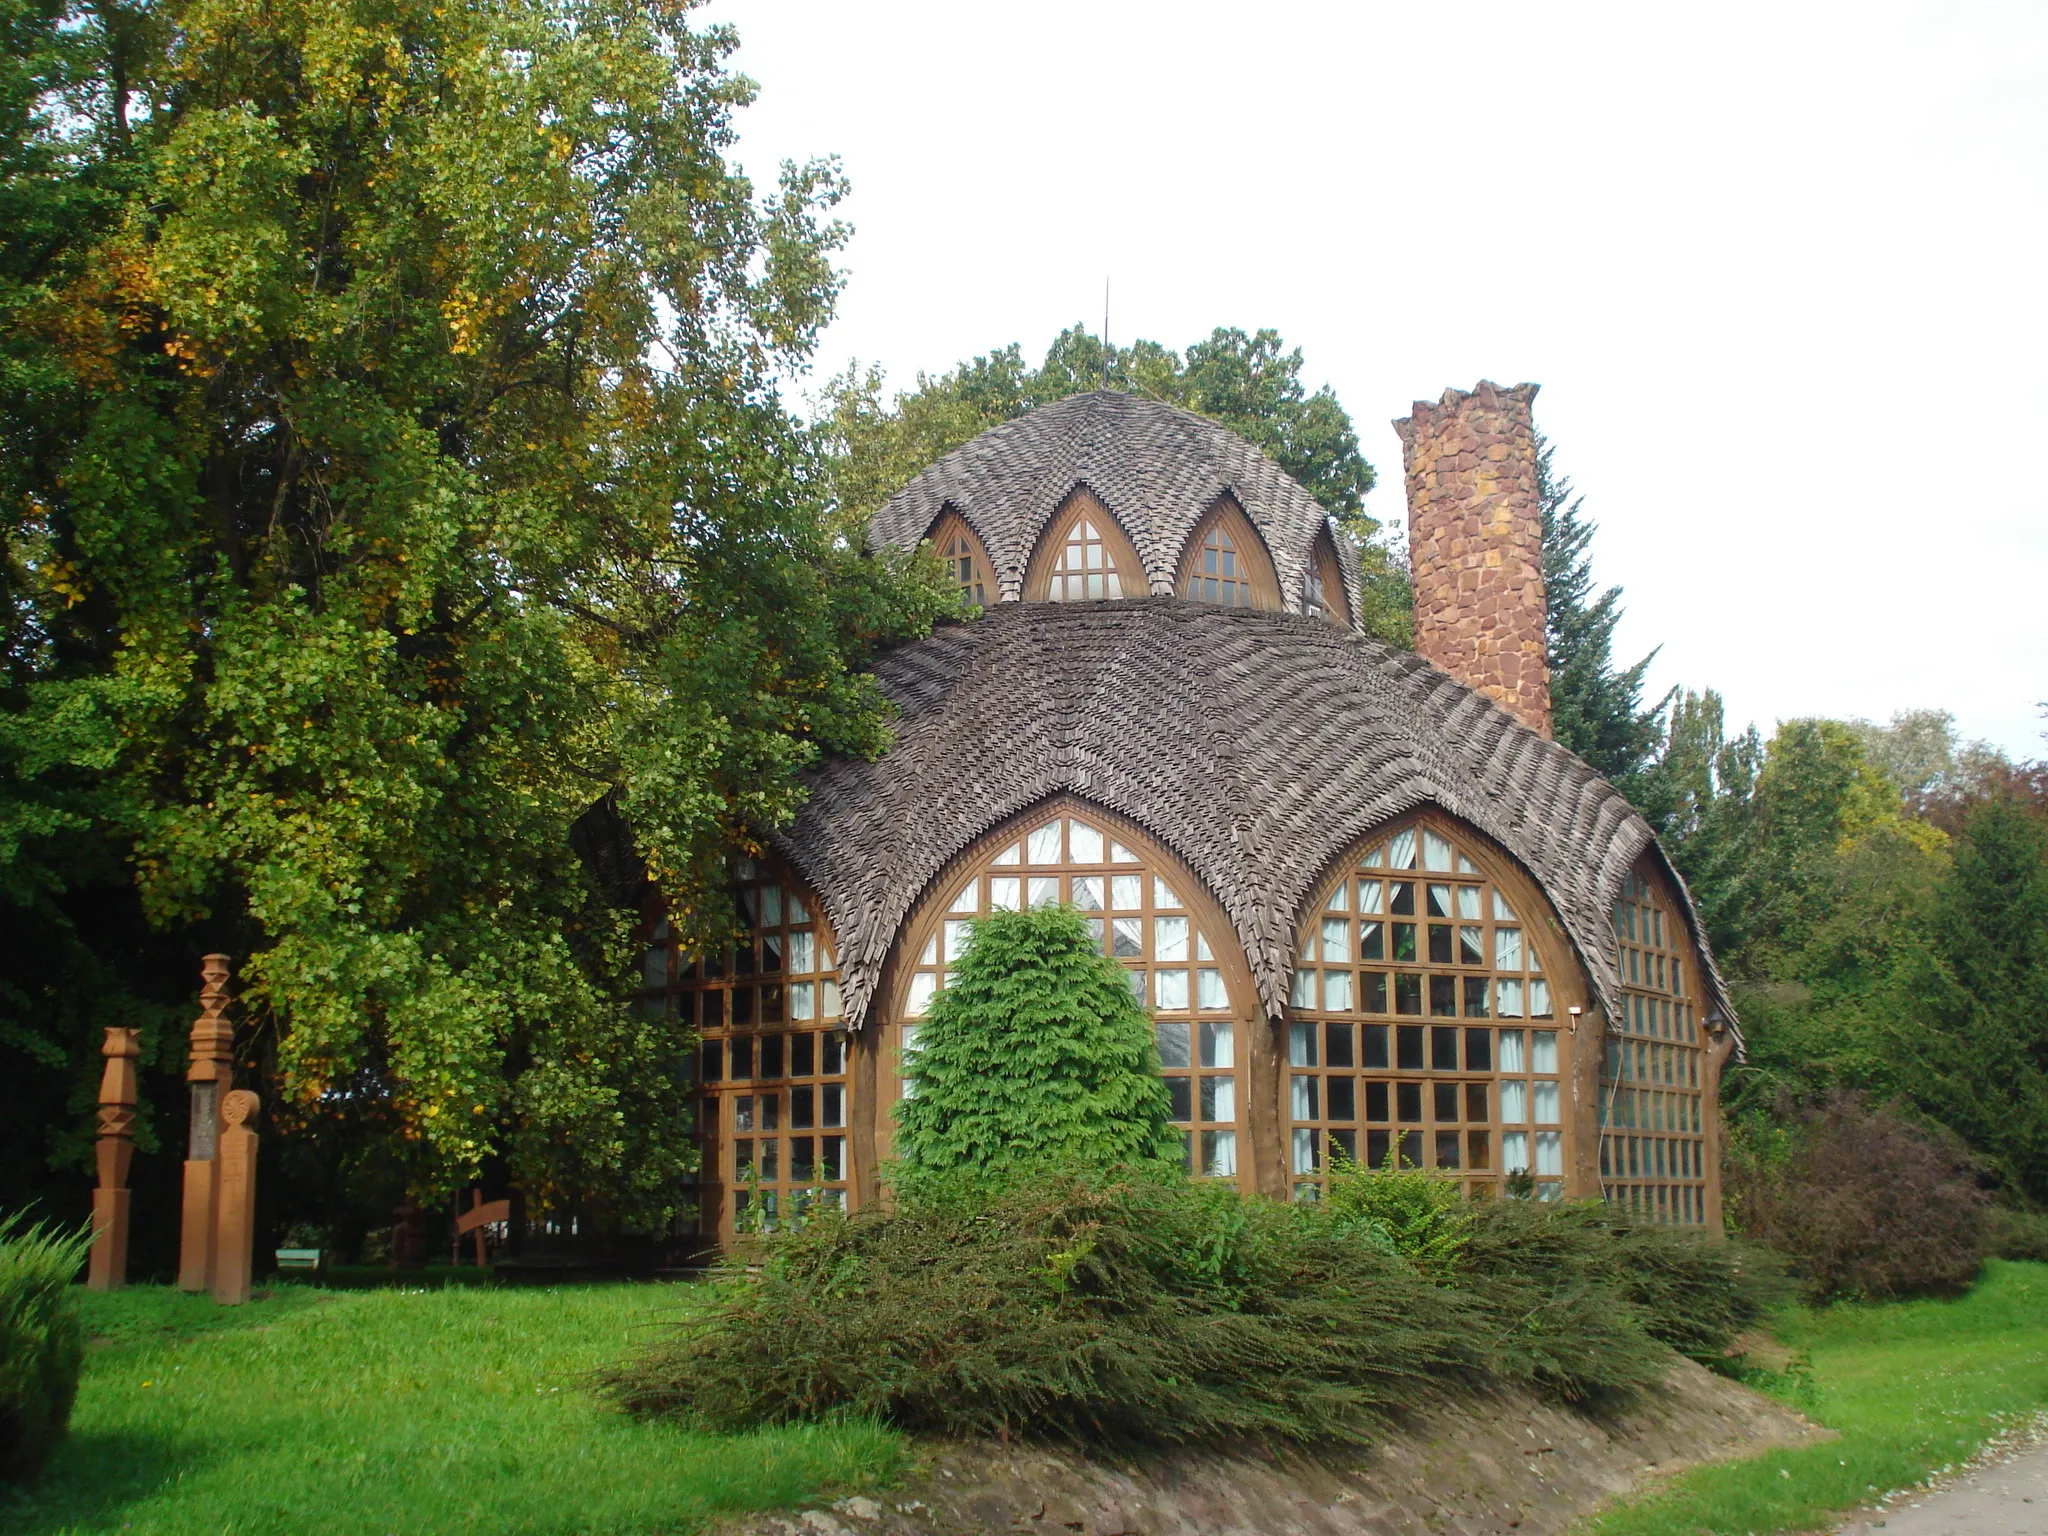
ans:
(1085, 568)
(966, 561)
(1322, 594)
(1220, 575)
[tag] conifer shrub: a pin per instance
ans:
(1035, 1054)
(2018, 1234)
(1861, 1201)
(1138, 1305)
(42, 1341)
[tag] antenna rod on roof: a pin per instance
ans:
(1105, 330)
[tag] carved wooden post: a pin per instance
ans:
(211, 1074)
(115, 1148)
(234, 1211)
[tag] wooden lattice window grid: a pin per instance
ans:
(966, 560)
(1137, 906)
(773, 1110)
(1086, 567)
(1653, 1146)
(1421, 1020)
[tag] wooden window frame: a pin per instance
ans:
(955, 540)
(1657, 1066)
(1323, 595)
(817, 1106)
(1121, 554)
(1386, 1081)
(1260, 584)
(921, 951)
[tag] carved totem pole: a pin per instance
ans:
(211, 1074)
(234, 1198)
(114, 1150)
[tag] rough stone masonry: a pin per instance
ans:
(1475, 541)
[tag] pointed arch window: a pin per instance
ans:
(1422, 1024)
(1178, 954)
(1220, 574)
(1323, 588)
(966, 561)
(1086, 568)
(1654, 1070)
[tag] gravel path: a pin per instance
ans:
(2006, 1498)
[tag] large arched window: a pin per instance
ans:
(1652, 1073)
(1083, 556)
(1226, 562)
(1422, 1021)
(1174, 945)
(772, 1104)
(966, 561)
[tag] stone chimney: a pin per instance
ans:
(1475, 543)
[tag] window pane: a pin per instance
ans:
(1337, 1045)
(1514, 1151)
(1209, 992)
(1372, 1046)
(1444, 1109)
(1408, 1102)
(1372, 993)
(1170, 989)
(1514, 1102)
(1088, 893)
(1303, 1098)
(1084, 843)
(1546, 1104)
(1447, 1149)
(1436, 852)
(1471, 944)
(1180, 1095)
(1376, 1101)
(1301, 990)
(1127, 937)
(1304, 1151)
(1045, 891)
(1173, 1043)
(1219, 1098)
(1402, 850)
(1301, 1045)
(1218, 1048)
(1478, 1050)
(1343, 1098)
(1043, 846)
(1337, 991)
(1368, 896)
(1509, 994)
(1169, 938)
(922, 986)
(1549, 1152)
(1219, 1154)
(1126, 893)
(1543, 1055)
(1443, 996)
(1162, 895)
(1475, 997)
(1439, 900)
(1408, 1047)
(1443, 1049)
(957, 930)
(1539, 998)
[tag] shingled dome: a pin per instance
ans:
(1256, 746)
(1372, 910)
(1158, 470)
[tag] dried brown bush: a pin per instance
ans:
(1861, 1200)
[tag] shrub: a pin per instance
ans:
(1418, 1213)
(1138, 1305)
(42, 1341)
(1861, 1201)
(1034, 1054)
(2016, 1234)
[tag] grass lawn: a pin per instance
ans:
(398, 1413)
(1911, 1387)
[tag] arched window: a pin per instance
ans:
(772, 1103)
(1175, 947)
(1422, 1022)
(1653, 1070)
(1226, 562)
(966, 561)
(1323, 588)
(1084, 555)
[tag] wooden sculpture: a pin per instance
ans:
(114, 1150)
(480, 1214)
(211, 1074)
(234, 1199)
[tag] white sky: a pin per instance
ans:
(1779, 269)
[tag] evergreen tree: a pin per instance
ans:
(1596, 708)
(1971, 1038)
(1034, 1054)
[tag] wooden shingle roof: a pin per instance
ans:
(1158, 469)
(1256, 746)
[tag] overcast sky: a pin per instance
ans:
(1779, 269)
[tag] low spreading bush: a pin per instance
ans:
(2017, 1234)
(1135, 1305)
(42, 1341)
(1861, 1201)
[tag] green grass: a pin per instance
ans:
(1910, 1387)
(380, 1412)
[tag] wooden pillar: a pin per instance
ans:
(234, 1210)
(114, 1150)
(211, 1074)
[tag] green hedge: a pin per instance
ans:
(42, 1341)
(1135, 1306)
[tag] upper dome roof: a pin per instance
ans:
(1158, 469)
(1256, 746)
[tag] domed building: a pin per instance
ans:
(1370, 904)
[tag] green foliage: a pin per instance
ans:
(42, 1341)
(394, 466)
(1861, 1201)
(450, 1413)
(1420, 1214)
(1596, 709)
(2017, 1234)
(1035, 1054)
(1909, 1389)
(1249, 382)
(1134, 1305)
